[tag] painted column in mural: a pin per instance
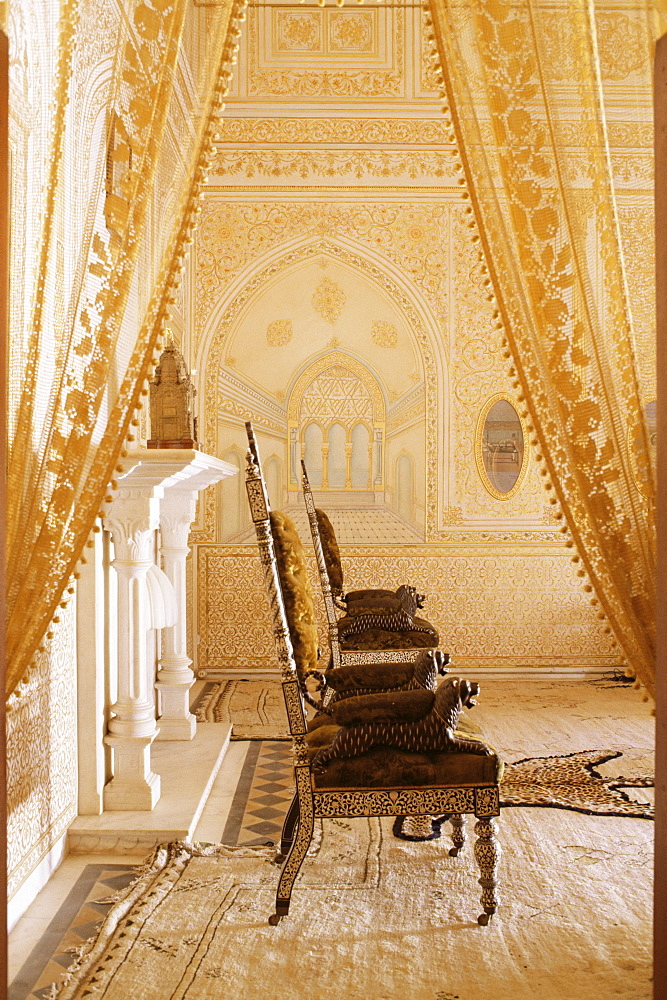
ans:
(379, 476)
(325, 466)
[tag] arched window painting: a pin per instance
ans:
(502, 455)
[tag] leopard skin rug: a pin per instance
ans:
(569, 781)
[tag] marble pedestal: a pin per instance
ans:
(186, 774)
(134, 785)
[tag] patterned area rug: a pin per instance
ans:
(254, 709)
(574, 920)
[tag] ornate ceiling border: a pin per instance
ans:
(337, 131)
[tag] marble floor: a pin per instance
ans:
(247, 803)
(360, 525)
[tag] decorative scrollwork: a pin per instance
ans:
(294, 706)
(303, 837)
(487, 855)
(394, 802)
(487, 802)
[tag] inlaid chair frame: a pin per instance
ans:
(341, 657)
(455, 800)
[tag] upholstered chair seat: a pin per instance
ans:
(387, 767)
(422, 637)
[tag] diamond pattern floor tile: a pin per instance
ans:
(263, 794)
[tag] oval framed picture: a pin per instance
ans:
(650, 416)
(501, 447)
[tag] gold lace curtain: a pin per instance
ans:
(109, 145)
(525, 91)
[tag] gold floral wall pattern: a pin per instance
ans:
(637, 234)
(328, 299)
(231, 236)
(477, 373)
(622, 45)
(279, 333)
(348, 54)
(385, 189)
(534, 613)
(42, 759)
(384, 333)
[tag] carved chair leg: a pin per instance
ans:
(291, 820)
(458, 833)
(487, 853)
(299, 847)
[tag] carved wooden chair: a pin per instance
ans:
(381, 781)
(379, 626)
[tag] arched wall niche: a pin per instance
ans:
(337, 391)
(235, 389)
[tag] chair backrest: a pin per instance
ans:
(327, 553)
(324, 539)
(266, 522)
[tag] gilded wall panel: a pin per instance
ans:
(502, 607)
(233, 618)
(621, 37)
(340, 164)
(232, 235)
(478, 372)
(42, 754)
(325, 53)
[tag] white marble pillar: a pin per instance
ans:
(175, 678)
(132, 520)
(149, 598)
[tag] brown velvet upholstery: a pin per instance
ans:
(297, 591)
(370, 605)
(331, 552)
(400, 706)
(321, 736)
(319, 720)
(360, 595)
(376, 638)
(378, 676)
(385, 767)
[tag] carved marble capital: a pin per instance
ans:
(177, 512)
(132, 519)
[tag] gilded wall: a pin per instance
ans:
(335, 259)
(71, 67)
(42, 755)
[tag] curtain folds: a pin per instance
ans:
(526, 94)
(113, 143)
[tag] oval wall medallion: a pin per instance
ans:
(501, 447)
(650, 416)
